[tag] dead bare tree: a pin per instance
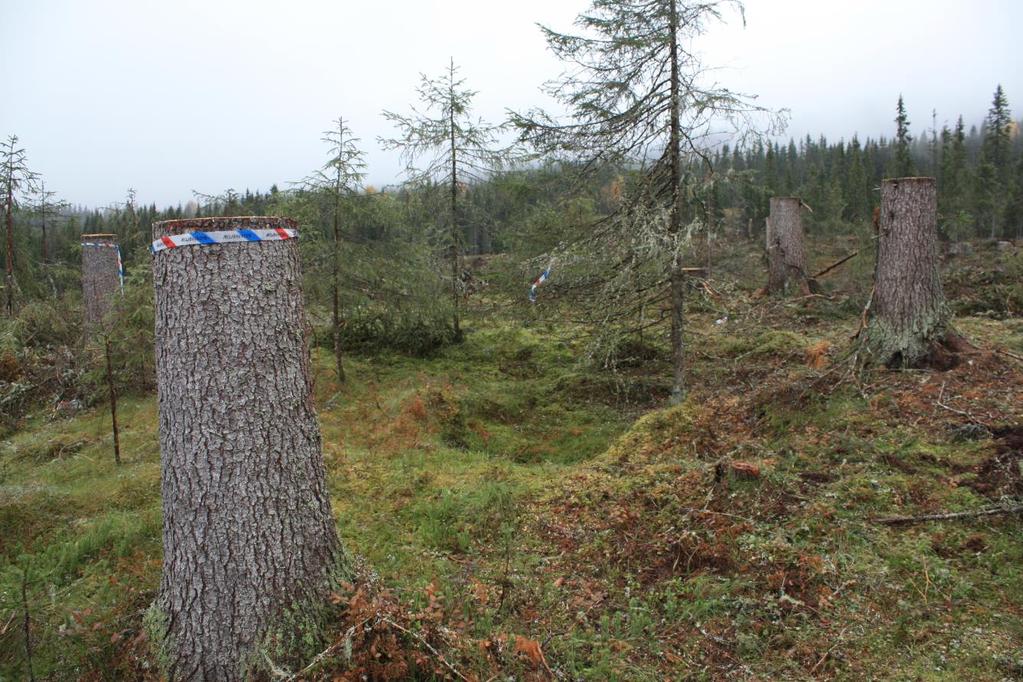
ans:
(16, 180)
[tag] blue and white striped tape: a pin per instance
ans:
(222, 237)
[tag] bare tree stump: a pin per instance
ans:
(250, 546)
(909, 319)
(786, 255)
(101, 277)
(101, 282)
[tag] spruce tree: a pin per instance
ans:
(1014, 210)
(635, 95)
(902, 162)
(457, 148)
(954, 186)
(47, 208)
(857, 199)
(339, 178)
(15, 181)
(994, 169)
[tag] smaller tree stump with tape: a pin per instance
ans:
(101, 277)
(102, 282)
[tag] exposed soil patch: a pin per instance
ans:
(1001, 474)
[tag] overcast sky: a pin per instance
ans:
(167, 97)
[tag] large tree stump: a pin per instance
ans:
(909, 319)
(250, 546)
(101, 277)
(786, 255)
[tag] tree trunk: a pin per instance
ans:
(248, 536)
(113, 402)
(101, 278)
(485, 240)
(676, 277)
(909, 326)
(456, 236)
(9, 260)
(336, 286)
(786, 256)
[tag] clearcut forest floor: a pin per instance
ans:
(517, 516)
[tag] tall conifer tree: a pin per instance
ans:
(339, 177)
(457, 148)
(902, 162)
(15, 180)
(634, 94)
(994, 169)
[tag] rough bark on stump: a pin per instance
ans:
(786, 256)
(248, 534)
(100, 278)
(909, 323)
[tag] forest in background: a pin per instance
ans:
(395, 241)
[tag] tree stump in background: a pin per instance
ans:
(101, 277)
(909, 319)
(248, 536)
(101, 282)
(786, 255)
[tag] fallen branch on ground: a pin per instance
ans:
(994, 351)
(426, 644)
(863, 316)
(838, 640)
(345, 641)
(949, 516)
(835, 265)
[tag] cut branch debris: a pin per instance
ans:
(836, 264)
(949, 516)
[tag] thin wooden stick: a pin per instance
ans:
(3, 630)
(113, 401)
(863, 316)
(428, 646)
(27, 626)
(835, 264)
(329, 650)
(948, 516)
(827, 653)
